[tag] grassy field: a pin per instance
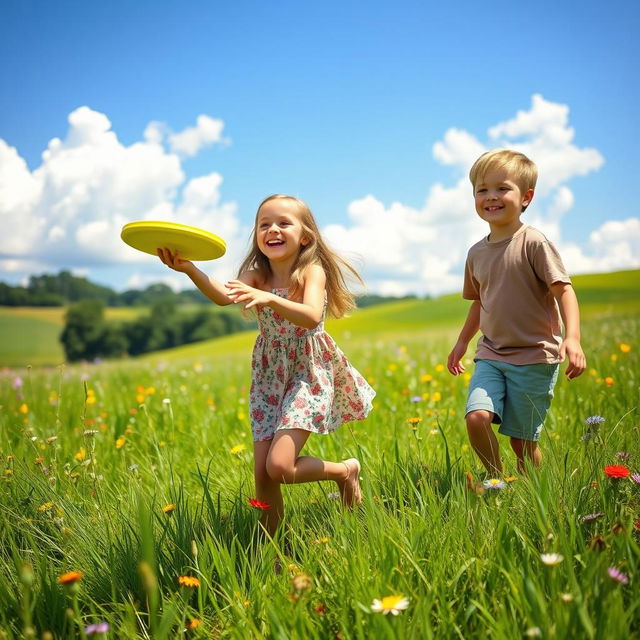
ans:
(137, 474)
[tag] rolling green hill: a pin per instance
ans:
(30, 334)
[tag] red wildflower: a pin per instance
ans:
(617, 471)
(258, 504)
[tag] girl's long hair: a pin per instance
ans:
(340, 300)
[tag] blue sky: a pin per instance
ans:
(341, 104)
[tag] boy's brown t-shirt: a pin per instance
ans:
(519, 317)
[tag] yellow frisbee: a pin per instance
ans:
(191, 243)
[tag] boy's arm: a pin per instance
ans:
(469, 329)
(570, 312)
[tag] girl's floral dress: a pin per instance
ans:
(301, 379)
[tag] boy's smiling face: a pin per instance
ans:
(499, 201)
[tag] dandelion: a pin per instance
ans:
(301, 582)
(24, 408)
(591, 517)
(70, 577)
(510, 479)
(239, 448)
(259, 504)
(46, 506)
(193, 624)
(390, 604)
(494, 483)
(169, 508)
(623, 455)
(615, 574)
(81, 454)
(609, 381)
(414, 420)
(617, 471)
(625, 348)
(93, 629)
(551, 559)
(188, 581)
(120, 442)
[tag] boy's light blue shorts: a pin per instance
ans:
(518, 395)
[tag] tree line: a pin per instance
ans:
(88, 335)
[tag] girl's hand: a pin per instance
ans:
(238, 291)
(174, 261)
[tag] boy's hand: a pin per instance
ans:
(577, 361)
(454, 361)
(238, 291)
(174, 261)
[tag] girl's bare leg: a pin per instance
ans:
(285, 464)
(267, 489)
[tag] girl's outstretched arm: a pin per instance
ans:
(211, 288)
(307, 313)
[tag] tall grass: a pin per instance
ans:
(134, 474)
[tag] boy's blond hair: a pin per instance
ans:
(522, 171)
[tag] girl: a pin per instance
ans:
(301, 381)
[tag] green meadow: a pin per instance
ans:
(124, 494)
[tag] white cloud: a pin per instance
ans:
(188, 142)
(69, 211)
(423, 250)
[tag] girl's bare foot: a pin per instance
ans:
(350, 486)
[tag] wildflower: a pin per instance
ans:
(133, 467)
(120, 442)
(566, 597)
(70, 577)
(258, 504)
(494, 483)
(533, 632)
(636, 525)
(594, 421)
(625, 348)
(472, 485)
(416, 398)
(551, 559)
(615, 574)
(188, 581)
(46, 506)
(415, 420)
(193, 624)
(24, 408)
(635, 477)
(239, 448)
(333, 495)
(17, 383)
(166, 401)
(51, 439)
(590, 517)
(319, 609)
(617, 471)
(609, 381)
(88, 433)
(301, 582)
(390, 604)
(623, 455)
(100, 627)
(169, 508)
(322, 540)
(510, 479)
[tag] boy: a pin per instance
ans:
(519, 289)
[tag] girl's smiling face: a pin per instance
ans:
(279, 231)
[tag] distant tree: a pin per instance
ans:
(84, 330)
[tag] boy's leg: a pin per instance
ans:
(484, 441)
(526, 449)
(267, 489)
(284, 464)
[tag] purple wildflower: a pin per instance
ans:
(594, 421)
(17, 382)
(416, 399)
(636, 477)
(623, 455)
(590, 517)
(100, 627)
(617, 575)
